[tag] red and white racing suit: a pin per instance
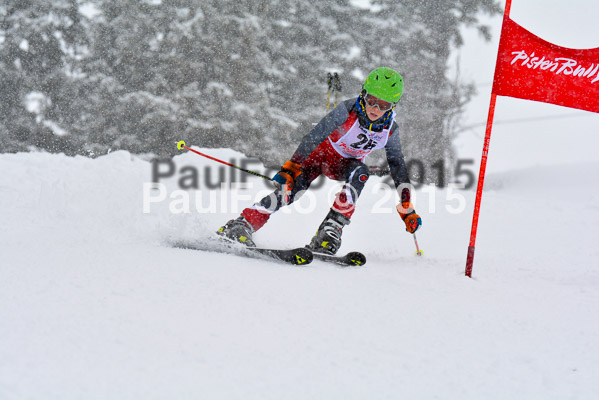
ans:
(337, 147)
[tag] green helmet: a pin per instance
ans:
(384, 83)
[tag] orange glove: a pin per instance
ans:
(286, 177)
(409, 216)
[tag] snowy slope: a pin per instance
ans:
(94, 305)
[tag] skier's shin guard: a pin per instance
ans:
(357, 175)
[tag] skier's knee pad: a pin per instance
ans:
(358, 176)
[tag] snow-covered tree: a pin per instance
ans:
(250, 75)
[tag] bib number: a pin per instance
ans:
(364, 143)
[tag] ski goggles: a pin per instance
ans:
(382, 105)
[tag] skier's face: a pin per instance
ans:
(375, 107)
(373, 112)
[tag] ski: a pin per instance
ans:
(352, 258)
(299, 256)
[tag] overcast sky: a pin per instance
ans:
(528, 133)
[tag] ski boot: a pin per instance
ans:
(328, 236)
(238, 230)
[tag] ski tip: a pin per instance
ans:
(355, 258)
(302, 256)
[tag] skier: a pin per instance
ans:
(337, 147)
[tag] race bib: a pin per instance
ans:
(358, 141)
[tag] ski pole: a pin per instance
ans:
(419, 252)
(329, 87)
(336, 86)
(181, 145)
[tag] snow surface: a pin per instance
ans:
(95, 305)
